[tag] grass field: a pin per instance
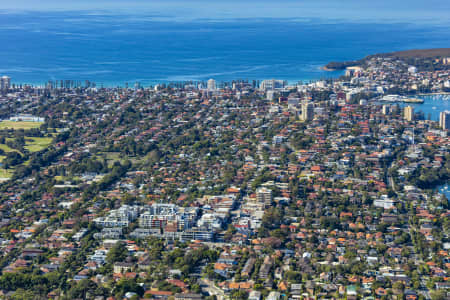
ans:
(6, 148)
(19, 125)
(112, 157)
(6, 173)
(38, 143)
(33, 144)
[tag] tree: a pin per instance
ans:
(12, 158)
(83, 289)
(438, 295)
(271, 218)
(293, 276)
(239, 295)
(231, 230)
(22, 294)
(398, 286)
(117, 253)
(128, 285)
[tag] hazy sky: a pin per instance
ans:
(393, 10)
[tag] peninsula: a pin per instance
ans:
(428, 58)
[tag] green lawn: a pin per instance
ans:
(6, 148)
(112, 157)
(19, 125)
(38, 143)
(33, 144)
(6, 173)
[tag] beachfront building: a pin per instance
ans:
(272, 84)
(5, 83)
(211, 85)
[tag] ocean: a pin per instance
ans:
(151, 46)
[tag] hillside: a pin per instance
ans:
(419, 54)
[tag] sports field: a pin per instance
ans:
(19, 125)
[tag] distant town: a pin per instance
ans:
(228, 190)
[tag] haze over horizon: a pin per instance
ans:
(392, 11)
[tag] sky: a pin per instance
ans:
(374, 10)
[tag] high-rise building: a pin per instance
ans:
(5, 83)
(408, 113)
(386, 109)
(444, 120)
(270, 95)
(264, 195)
(307, 111)
(272, 84)
(211, 85)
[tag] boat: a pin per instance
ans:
(413, 100)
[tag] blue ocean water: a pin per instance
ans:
(114, 47)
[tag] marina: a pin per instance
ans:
(444, 190)
(432, 105)
(429, 104)
(398, 98)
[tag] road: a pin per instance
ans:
(211, 288)
(392, 183)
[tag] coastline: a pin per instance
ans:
(325, 68)
(434, 94)
(406, 54)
